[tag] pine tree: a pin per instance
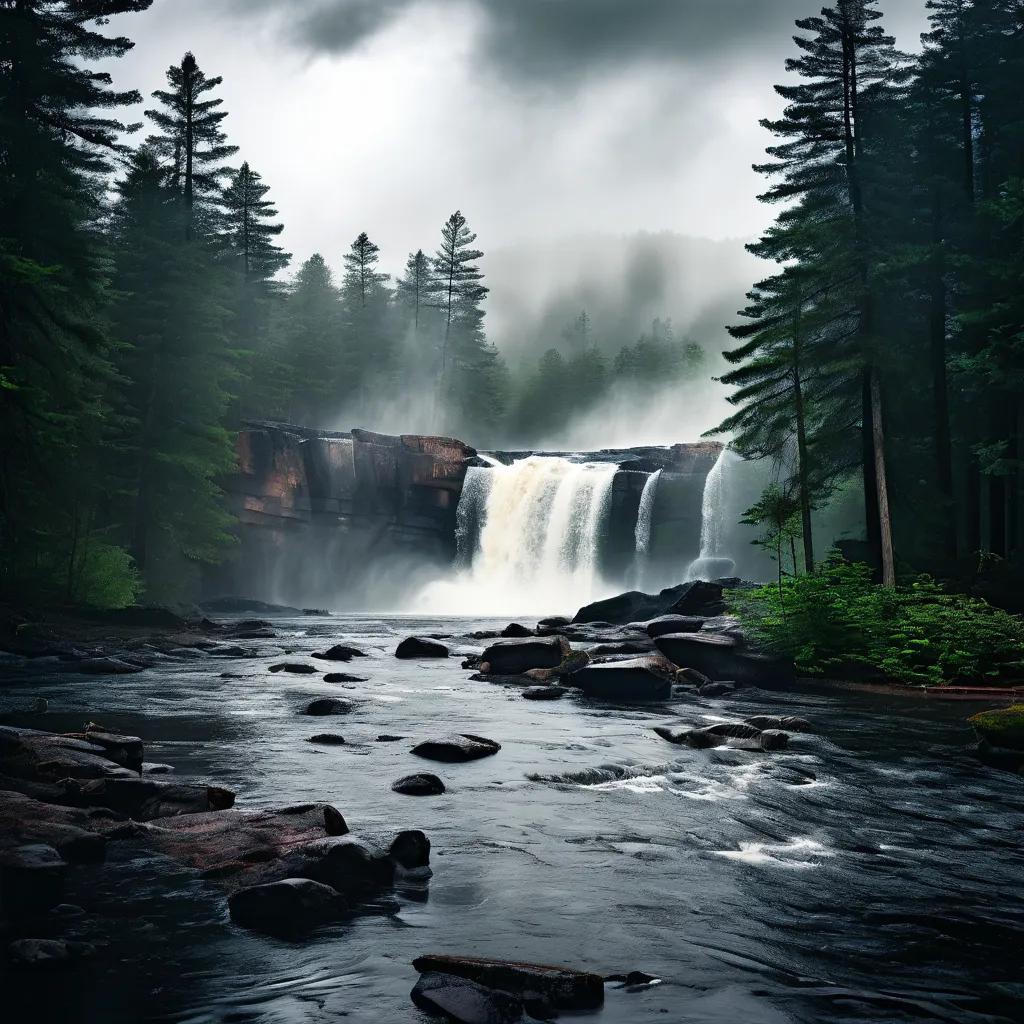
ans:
(55, 351)
(192, 141)
(415, 290)
(850, 65)
(312, 330)
(370, 335)
(467, 362)
(248, 245)
(577, 335)
(171, 321)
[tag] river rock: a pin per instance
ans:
(340, 652)
(565, 989)
(290, 905)
(630, 647)
(465, 1002)
(722, 657)
(421, 647)
(1001, 728)
(716, 689)
(328, 739)
(672, 624)
(144, 799)
(457, 748)
(126, 751)
(421, 784)
(298, 667)
(31, 878)
(47, 952)
(517, 629)
(540, 675)
(514, 657)
(410, 850)
(788, 723)
(696, 598)
(329, 706)
(554, 622)
(637, 679)
(347, 863)
(545, 692)
(344, 677)
(737, 735)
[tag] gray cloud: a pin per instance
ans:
(556, 39)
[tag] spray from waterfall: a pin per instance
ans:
(644, 519)
(539, 527)
(714, 560)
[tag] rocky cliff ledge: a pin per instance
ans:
(319, 510)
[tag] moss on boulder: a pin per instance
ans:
(1001, 728)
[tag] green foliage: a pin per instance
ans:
(916, 633)
(106, 577)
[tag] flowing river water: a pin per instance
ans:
(871, 872)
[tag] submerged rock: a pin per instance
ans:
(457, 749)
(737, 735)
(107, 666)
(294, 666)
(465, 1002)
(328, 739)
(563, 988)
(514, 657)
(48, 952)
(421, 647)
(31, 878)
(340, 652)
(291, 904)
(329, 706)
(787, 722)
(344, 677)
(421, 784)
(545, 692)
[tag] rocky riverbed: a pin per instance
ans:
(866, 869)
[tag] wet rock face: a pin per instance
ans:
(738, 735)
(635, 679)
(340, 652)
(465, 1002)
(545, 692)
(722, 657)
(324, 706)
(421, 784)
(673, 624)
(456, 749)
(688, 599)
(421, 647)
(516, 656)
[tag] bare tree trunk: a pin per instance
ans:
(884, 519)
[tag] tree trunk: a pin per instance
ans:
(872, 520)
(885, 522)
(803, 470)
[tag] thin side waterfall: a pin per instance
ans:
(644, 518)
(539, 524)
(713, 560)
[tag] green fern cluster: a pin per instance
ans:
(916, 633)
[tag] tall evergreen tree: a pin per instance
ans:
(577, 335)
(171, 320)
(370, 340)
(55, 134)
(415, 290)
(825, 166)
(191, 138)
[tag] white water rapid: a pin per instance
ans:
(713, 560)
(529, 539)
(644, 519)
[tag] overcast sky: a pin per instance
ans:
(535, 117)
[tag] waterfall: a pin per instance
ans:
(713, 560)
(539, 524)
(643, 526)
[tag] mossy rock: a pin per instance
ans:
(1001, 728)
(572, 662)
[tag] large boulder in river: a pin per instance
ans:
(514, 657)
(340, 652)
(1002, 728)
(562, 987)
(456, 749)
(673, 624)
(722, 657)
(696, 598)
(329, 706)
(290, 905)
(421, 647)
(420, 784)
(465, 1002)
(636, 679)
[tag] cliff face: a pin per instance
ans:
(324, 512)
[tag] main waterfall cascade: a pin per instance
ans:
(529, 537)
(644, 521)
(714, 561)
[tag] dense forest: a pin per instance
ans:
(147, 309)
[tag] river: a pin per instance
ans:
(886, 888)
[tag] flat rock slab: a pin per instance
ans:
(545, 692)
(465, 1002)
(298, 667)
(565, 989)
(421, 784)
(290, 905)
(672, 624)
(637, 679)
(323, 706)
(515, 656)
(456, 749)
(720, 656)
(344, 677)
(341, 652)
(421, 647)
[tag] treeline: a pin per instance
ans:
(147, 310)
(889, 345)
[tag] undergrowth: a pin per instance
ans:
(915, 633)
